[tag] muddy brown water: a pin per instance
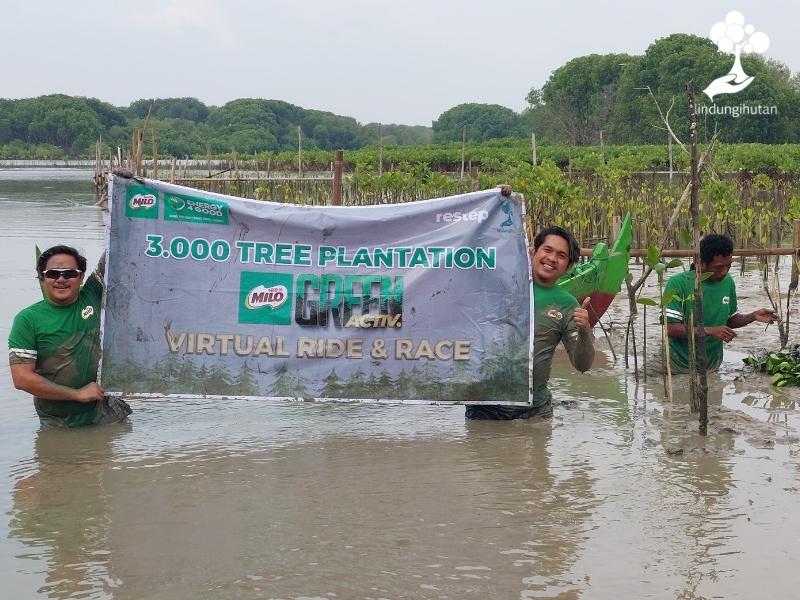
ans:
(617, 497)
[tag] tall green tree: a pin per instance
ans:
(483, 122)
(576, 102)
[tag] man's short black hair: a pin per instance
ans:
(574, 248)
(41, 264)
(713, 245)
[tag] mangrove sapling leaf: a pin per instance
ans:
(669, 296)
(646, 302)
(653, 255)
(675, 262)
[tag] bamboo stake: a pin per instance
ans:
(155, 154)
(299, 152)
(380, 149)
(463, 151)
(338, 165)
(699, 388)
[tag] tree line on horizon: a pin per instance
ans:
(613, 93)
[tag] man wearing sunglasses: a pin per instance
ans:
(54, 345)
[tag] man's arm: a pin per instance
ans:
(676, 312)
(762, 315)
(26, 378)
(723, 333)
(579, 340)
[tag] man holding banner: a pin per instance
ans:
(54, 345)
(557, 319)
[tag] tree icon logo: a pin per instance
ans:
(732, 36)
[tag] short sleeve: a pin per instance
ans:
(22, 341)
(734, 305)
(674, 309)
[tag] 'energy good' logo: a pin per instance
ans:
(732, 36)
(259, 296)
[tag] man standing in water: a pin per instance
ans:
(720, 310)
(54, 345)
(557, 319)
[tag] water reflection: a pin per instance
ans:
(542, 516)
(61, 509)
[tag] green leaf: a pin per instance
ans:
(646, 302)
(706, 275)
(660, 268)
(653, 254)
(686, 237)
(675, 262)
(776, 379)
(669, 296)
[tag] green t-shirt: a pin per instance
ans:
(64, 344)
(719, 305)
(553, 308)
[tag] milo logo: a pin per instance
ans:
(260, 296)
(141, 202)
(265, 298)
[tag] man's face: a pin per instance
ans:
(719, 267)
(551, 260)
(61, 291)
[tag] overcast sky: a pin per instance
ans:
(404, 61)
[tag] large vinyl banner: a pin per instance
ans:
(220, 296)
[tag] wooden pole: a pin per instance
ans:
(669, 145)
(380, 149)
(134, 167)
(689, 252)
(338, 166)
(463, 150)
(602, 148)
(155, 154)
(299, 152)
(699, 387)
(533, 147)
(473, 175)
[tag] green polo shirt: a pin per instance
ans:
(64, 344)
(719, 305)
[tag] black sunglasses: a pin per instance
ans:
(65, 273)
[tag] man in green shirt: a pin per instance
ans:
(557, 319)
(720, 309)
(54, 345)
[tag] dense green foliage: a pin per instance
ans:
(501, 155)
(783, 366)
(482, 121)
(60, 126)
(612, 93)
